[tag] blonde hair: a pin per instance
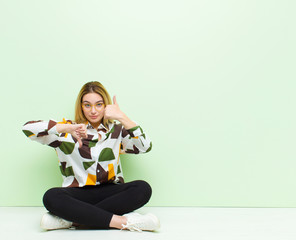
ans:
(91, 87)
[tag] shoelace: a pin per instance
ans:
(131, 227)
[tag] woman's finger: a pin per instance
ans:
(80, 142)
(114, 100)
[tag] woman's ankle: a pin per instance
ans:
(117, 221)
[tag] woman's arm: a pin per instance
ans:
(47, 132)
(126, 122)
(134, 140)
(43, 132)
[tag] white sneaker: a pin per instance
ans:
(52, 222)
(138, 222)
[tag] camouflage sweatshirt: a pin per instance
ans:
(97, 161)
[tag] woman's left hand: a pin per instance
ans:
(113, 111)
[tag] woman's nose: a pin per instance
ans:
(93, 109)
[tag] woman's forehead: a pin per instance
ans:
(92, 97)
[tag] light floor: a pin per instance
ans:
(180, 223)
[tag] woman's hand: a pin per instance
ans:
(76, 130)
(113, 112)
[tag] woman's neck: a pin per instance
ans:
(95, 125)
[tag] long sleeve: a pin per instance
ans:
(43, 132)
(135, 141)
(97, 161)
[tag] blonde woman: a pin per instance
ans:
(93, 193)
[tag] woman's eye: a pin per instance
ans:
(99, 105)
(87, 105)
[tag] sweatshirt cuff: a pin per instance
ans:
(135, 131)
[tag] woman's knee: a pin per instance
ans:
(144, 189)
(51, 198)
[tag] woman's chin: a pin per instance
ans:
(95, 121)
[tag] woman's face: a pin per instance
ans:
(93, 108)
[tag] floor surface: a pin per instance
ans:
(180, 223)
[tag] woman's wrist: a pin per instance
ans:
(126, 122)
(63, 128)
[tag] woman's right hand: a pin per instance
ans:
(79, 132)
(76, 130)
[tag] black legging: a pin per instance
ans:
(94, 206)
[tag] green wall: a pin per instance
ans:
(211, 81)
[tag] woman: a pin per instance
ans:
(94, 193)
